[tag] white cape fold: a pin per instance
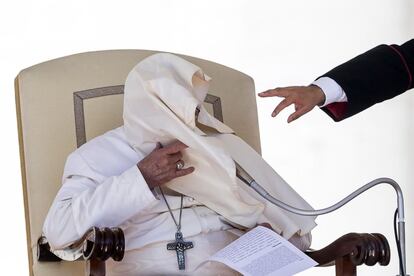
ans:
(162, 93)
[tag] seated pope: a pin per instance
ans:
(169, 174)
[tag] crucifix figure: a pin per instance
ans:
(180, 246)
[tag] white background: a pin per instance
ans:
(278, 43)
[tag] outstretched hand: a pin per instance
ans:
(305, 98)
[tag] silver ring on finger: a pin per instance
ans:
(179, 165)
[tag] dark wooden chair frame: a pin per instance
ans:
(346, 253)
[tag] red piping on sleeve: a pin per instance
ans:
(410, 78)
(337, 110)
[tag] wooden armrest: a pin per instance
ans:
(96, 246)
(107, 243)
(352, 250)
(347, 252)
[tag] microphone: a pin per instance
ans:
(251, 182)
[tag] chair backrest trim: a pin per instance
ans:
(80, 96)
(23, 173)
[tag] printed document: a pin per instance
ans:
(261, 251)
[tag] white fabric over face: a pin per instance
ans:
(162, 93)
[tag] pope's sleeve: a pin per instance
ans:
(87, 199)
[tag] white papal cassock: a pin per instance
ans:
(103, 187)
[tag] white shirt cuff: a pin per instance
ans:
(132, 183)
(332, 90)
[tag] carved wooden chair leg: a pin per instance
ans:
(95, 268)
(345, 267)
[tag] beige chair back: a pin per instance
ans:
(64, 102)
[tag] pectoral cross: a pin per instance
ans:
(180, 246)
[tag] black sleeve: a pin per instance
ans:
(374, 76)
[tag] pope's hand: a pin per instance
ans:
(160, 166)
(305, 98)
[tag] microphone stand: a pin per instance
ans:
(249, 180)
